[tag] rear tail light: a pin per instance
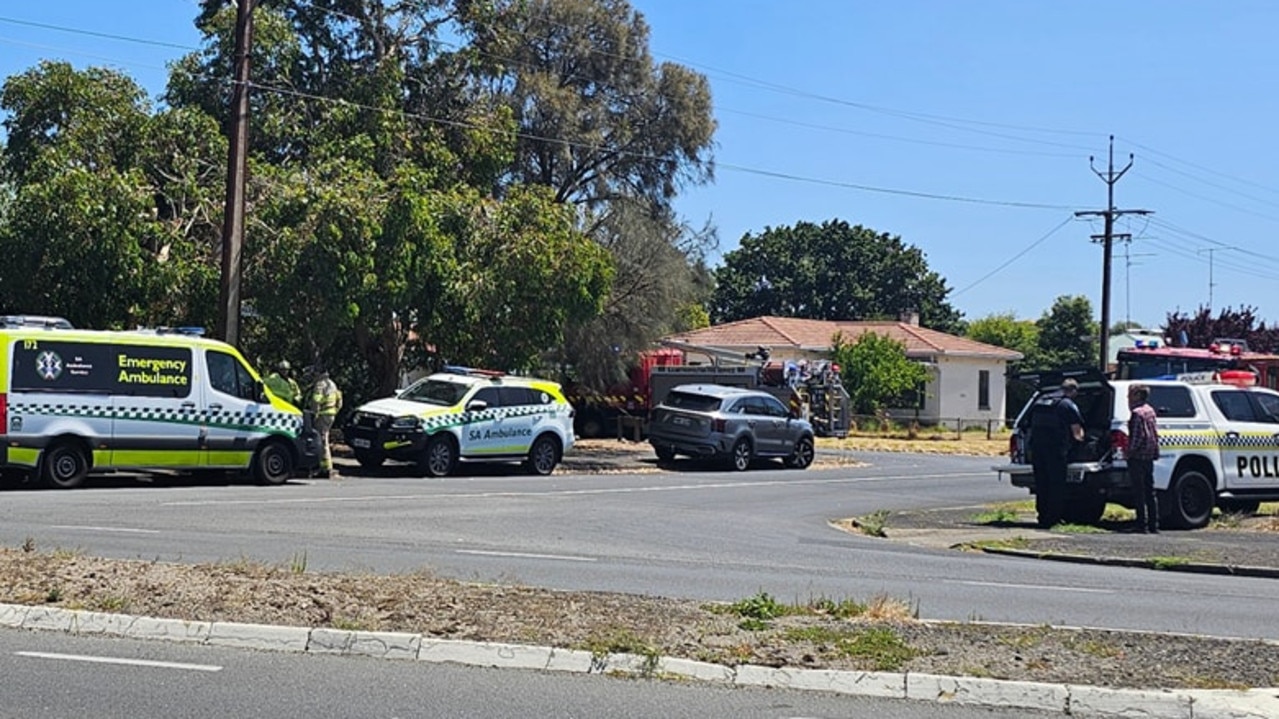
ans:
(1014, 444)
(1119, 443)
(719, 425)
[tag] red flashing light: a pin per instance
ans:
(1214, 348)
(1236, 350)
(1238, 377)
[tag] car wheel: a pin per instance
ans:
(543, 455)
(1239, 506)
(590, 425)
(273, 464)
(1191, 499)
(369, 459)
(440, 457)
(740, 458)
(1084, 509)
(65, 466)
(664, 453)
(803, 454)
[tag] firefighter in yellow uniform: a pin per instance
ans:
(325, 401)
(283, 385)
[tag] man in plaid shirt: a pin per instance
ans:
(1143, 450)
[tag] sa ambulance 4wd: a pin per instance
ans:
(464, 414)
(74, 402)
(1218, 445)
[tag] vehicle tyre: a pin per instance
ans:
(440, 457)
(664, 453)
(543, 455)
(65, 466)
(739, 460)
(1084, 509)
(590, 425)
(369, 459)
(273, 464)
(802, 457)
(1239, 506)
(1191, 499)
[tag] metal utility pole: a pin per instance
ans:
(1211, 284)
(1128, 263)
(228, 327)
(1110, 177)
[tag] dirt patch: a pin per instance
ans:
(812, 632)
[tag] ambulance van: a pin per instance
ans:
(80, 402)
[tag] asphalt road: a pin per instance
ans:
(54, 676)
(696, 534)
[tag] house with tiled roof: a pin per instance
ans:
(966, 379)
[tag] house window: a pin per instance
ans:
(983, 389)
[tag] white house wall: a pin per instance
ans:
(957, 391)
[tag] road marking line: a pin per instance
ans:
(122, 530)
(121, 660)
(562, 557)
(570, 492)
(1054, 587)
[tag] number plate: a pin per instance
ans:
(682, 421)
(1074, 478)
(360, 443)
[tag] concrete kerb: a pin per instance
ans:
(1190, 567)
(1076, 701)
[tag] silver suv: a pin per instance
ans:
(731, 423)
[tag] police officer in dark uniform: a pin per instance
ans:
(1056, 425)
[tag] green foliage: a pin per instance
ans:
(1201, 328)
(1068, 334)
(761, 606)
(872, 525)
(831, 271)
(1005, 330)
(875, 371)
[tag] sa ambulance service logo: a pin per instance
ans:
(49, 366)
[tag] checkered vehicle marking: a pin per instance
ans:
(1216, 440)
(459, 419)
(266, 421)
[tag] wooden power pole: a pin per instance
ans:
(228, 327)
(1110, 177)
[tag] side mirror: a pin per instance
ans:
(476, 405)
(259, 391)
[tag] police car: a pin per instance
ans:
(1218, 437)
(465, 414)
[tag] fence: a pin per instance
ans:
(863, 424)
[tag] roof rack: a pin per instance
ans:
(37, 321)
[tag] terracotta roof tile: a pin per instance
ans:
(810, 335)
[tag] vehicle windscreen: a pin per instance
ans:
(434, 391)
(692, 402)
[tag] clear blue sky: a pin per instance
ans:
(993, 100)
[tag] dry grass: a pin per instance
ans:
(970, 444)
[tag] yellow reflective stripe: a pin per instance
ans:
(509, 449)
(25, 456)
(155, 458)
(229, 458)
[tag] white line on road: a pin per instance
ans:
(121, 660)
(1055, 588)
(122, 530)
(562, 557)
(572, 492)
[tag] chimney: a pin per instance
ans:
(910, 317)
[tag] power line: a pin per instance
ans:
(1201, 168)
(1214, 201)
(94, 33)
(727, 166)
(1014, 258)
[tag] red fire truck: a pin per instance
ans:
(1154, 360)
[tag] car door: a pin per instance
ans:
(232, 411)
(1249, 443)
(156, 404)
(482, 437)
(763, 426)
(785, 432)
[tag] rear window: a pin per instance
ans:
(693, 402)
